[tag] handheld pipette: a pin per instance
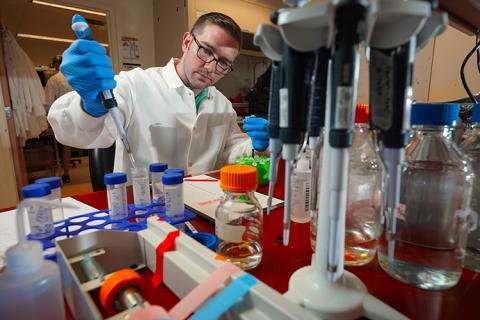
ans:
(297, 68)
(316, 119)
(349, 17)
(390, 111)
(82, 31)
(275, 145)
(391, 72)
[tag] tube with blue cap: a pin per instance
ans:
(82, 31)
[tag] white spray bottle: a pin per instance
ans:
(30, 287)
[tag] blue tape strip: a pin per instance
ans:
(223, 301)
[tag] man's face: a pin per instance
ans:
(212, 41)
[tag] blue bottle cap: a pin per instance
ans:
(207, 239)
(476, 113)
(158, 167)
(115, 178)
(35, 190)
(172, 178)
(435, 114)
(175, 170)
(54, 182)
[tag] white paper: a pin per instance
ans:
(203, 196)
(8, 224)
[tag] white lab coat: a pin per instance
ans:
(161, 122)
(26, 90)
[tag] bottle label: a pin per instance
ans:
(117, 202)
(41, 220)
(141, 192)
(306, 188)
(174, 205)
(229, 233)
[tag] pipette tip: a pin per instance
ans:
(270, 196)
(286, 236)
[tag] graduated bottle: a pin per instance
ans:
(238, 218)
(427, 248)
(365, 194)
(471, 149)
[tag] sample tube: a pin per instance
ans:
(173, 188)
(116, 183)
(40, 217)
(55, 194)
(141, 188)
(156, 174)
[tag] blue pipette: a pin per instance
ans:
(82, 31)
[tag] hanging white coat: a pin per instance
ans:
(161, 121)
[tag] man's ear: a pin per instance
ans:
(187, 39)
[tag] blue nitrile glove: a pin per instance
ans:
(256, 128)
(88, 70)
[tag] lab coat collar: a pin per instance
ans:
(171, 75)
(173, 79)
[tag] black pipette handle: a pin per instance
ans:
(297, 68)
(274, 103)
(390, 81)
(318, 95)
(108, 99)
(348, 17)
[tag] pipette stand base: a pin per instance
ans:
(347, 298)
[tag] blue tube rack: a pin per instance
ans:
(100, 220)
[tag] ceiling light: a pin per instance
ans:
(61, 6)
(38, 37)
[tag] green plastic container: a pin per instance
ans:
(262, 164)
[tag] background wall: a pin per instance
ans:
(127, 18)
(436, 74)
(124, 18)
(248, 14)
(450, 49)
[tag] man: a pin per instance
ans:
(56, 87)
(171, 114)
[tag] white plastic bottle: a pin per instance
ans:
(301, 191)
(30, 287)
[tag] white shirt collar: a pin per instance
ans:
(171, 75)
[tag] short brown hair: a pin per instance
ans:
(221, 20)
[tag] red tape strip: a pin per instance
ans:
(166, 245)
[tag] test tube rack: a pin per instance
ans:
(101, 220)
(183, 269)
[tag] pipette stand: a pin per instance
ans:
(308, 28)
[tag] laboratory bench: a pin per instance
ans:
(280, 262)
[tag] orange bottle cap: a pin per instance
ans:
(362, 113)
(238, 178)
